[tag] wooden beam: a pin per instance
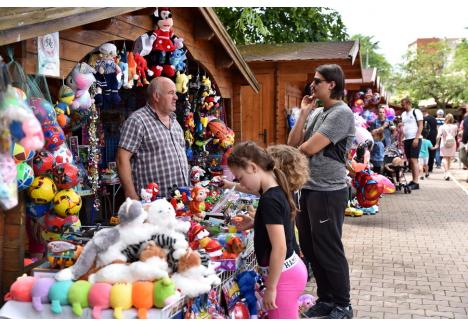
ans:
(59, 22)
(99, 25)
(223, 61)
(203, 32)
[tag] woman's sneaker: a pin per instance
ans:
(341, 313)
(319, 310)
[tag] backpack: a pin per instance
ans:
(449, 141)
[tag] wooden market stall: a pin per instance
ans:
(370, 79)
(283, 70)
(81, 31)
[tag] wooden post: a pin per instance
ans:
(12, 251)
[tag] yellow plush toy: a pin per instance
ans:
(182, 82)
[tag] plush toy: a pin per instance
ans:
(152, 266)
(164, 44)
(107, 76)
(40, 292)
(58, 295)
(144, 44)
(142, 298)
(233, 248)
(80, 80)
(132, 69)
(21, 289)
(99, 298)
(146, 195)
(197, 204)
(107, 244)
(196, 173)
(62, 107)
(222, 135)
(193, 278)
(210, 102)
(195, 234)
(178, 58)
(142, 70)
(78, 296)
(247, 282)
(206, 86)
(121, 298)
(165, 293)
(123, 64)
(182, 82)
(189, 122)
(305, 302)
(153, 187)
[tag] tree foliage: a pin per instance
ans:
(282, 25)
(436, 71)
(370, 58)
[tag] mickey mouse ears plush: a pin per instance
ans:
(161, 13)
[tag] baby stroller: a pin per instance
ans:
(394, 168)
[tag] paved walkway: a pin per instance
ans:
(411, 259)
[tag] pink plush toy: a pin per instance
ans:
(305, 301)
(98, 298)
(40, 292)
(80, 80)
(21, 289)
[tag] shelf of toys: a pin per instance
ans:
(176, 267)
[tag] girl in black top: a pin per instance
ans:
(286, 274)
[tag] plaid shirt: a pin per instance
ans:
(158, 152)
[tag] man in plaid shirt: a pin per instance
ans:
(152, 145)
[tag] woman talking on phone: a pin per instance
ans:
(325, 137)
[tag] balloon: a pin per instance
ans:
(361, 135)
(388, 186)
(390, 113)
(375, 98)
(359, 121)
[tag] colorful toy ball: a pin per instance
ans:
(72, 224)
(37, 210)
(67, 202)
(42, 190)
(43, 110)
(43, 163)
(53, 222)
(24, 175)
(54, 137)
(66, 175)
(21, 154)
(63, 155)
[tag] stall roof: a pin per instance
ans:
(301, 51)
(18, 24)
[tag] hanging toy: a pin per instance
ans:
(80, 80)
(123, 64)
(132, 70)
(142, 70)
(164, 44)
(62, 107)
(178, 58)
(182, 81)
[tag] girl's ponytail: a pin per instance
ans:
(284, 184)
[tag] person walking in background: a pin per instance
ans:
(426, 148)
(448, 145)
(430, 133)
(412, 128)
(440, 121)
(325, 140)
(464, 139)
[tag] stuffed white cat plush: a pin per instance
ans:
(107, 245)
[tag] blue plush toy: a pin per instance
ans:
(177, 59)
(247, 281)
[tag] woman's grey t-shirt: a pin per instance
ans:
(328, 167)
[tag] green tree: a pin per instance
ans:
(282, 25)
(370, 58)
(436, 71)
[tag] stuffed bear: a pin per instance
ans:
(80, 80)
(107, 245)
(152, 266)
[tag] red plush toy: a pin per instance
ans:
(141, 70)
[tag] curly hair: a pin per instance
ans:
(292, 162)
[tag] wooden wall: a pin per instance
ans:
(12, 241)
(287, 81)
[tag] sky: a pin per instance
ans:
(393, 23)
(396, 24)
